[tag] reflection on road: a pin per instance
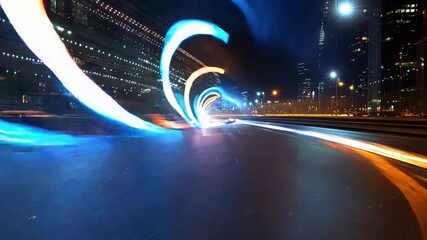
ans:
(413, 191)
(378, 155)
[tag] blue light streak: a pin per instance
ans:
(13, 133)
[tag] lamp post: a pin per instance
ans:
(263, 100)
(334, 76)
(422, 87)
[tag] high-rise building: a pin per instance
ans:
(305, 84)
(359, 73)
(374, 56)
(421, 59)
(402, 31)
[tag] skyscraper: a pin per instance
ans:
(402, 31)
(358, 78)
(305, 85)
(374, 56)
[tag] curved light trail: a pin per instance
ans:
(209, 102)
(177, 34)
(189, 85)
(30, 21)
(396, 154)
(201, 99)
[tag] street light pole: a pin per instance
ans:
(319, 96)
(263, 103)
(422, 86)
(336, 94)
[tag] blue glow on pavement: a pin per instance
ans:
(13, 133)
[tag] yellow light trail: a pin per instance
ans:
(385, 151)
(189, 85)
(209, 102)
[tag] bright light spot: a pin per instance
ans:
(333, 75)
(275, 93)
(345, 8)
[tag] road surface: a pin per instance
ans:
(231, 182)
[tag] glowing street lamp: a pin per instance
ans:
(345, 8)
(275, 93)
(340, 84)
(333, 75)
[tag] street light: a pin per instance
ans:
(352, 96)
(334, 75)
(275, 93)
(345, 8)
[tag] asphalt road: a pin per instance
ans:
(231, 182)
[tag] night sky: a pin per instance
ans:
(283, 34)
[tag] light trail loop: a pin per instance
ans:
(188, 86)
(177, 34)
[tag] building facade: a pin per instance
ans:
(305, 84)
(403, 24)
